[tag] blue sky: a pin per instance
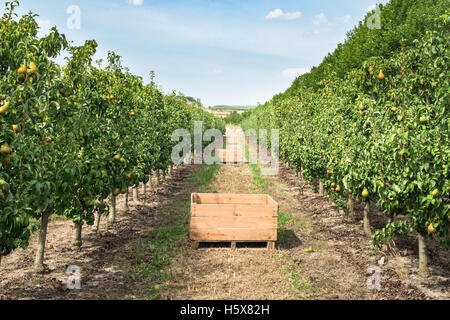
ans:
(223, 52)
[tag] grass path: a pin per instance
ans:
(216, 272)
(336, 269)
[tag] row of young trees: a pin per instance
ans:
(379, 136)
(75, 136)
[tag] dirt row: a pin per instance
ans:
(399, 274)
(147, 254)
(104, 257)
(336, 269)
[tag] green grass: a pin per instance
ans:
(150, 261)
(204, 177)
(284, 222)
(300, 287)
(259, 183)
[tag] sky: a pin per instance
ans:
(224, 52)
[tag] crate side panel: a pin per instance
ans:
(236, 222)
(233, 234)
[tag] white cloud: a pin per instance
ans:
(217, 70)
(292, 73)
(136, 2)
(278, 13)
(320, 19)
(343, 19)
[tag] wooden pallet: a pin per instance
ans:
(195, 244)
(233, 218)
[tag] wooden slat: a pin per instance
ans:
(230, 210)
(218, 198)
(233, 235)
(234, 222)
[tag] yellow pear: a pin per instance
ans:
(3, 185)
(435, 192)
(365, 193)
(33, 69)
(5, 149)
(22, 70)
(381, 75)
(431, 229)
(4, 108)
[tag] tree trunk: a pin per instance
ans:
(151, 183)
(321, 188)
(351, 208)
(390, 244)
(125, 204)
(171, 170)
(423, 258)
(96, 227)
(39, 259)
(366, 219)
(158, 180)
(145, 193)
(112, 213)
(76, 238)
(136, 194)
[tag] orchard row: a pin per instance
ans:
(380, 136)
(74, 137)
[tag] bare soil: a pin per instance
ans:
(336, 269)
(103, 257)
(147, 253)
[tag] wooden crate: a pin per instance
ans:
(233, 218)
(230, 156)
